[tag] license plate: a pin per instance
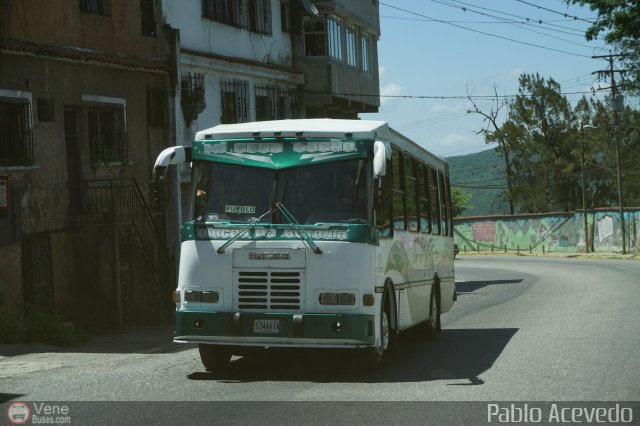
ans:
(266, 326)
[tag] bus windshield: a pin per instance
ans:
(329, 192)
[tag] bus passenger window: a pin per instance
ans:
(423, 198)
(412, 193)
(397, 192)
(434, 201)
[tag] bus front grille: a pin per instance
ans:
(262, 290)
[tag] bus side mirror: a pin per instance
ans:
(381, 152)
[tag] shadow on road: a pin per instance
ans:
(454, 355)
(471, 286)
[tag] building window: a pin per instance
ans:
(192, 98)
(285, 16)
(275, 103)
(351, 46)
(235, 101)
(107, 133)
(334, 37)
(252, 15)
(315, 38)
(45, 110)
(365, 51)
(97, 7)
(148, 14)
(16, 148)
(156, 107)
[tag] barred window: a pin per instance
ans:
(149, 26)
(97, 7)
(251, 15)
(285, 16)
(15, 126)
(235, 101)
(107, 133)
(275, 103)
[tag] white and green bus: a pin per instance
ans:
(314, 233)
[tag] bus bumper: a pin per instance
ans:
(275, 330)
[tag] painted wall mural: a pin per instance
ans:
(560, 232)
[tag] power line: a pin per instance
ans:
(554, 11)
(485, 33)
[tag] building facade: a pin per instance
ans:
(84, 108)
(92, 90)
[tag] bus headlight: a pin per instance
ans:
(196, 296)
(346, 299)
(328, 299)
(210, 297)
(337, 299)
(193, 296)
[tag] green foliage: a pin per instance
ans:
(541, 135)
(39, 326)
(461, 201)
(543, 141)
(480, 175)
(619, 20)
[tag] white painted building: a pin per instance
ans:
(234, 63)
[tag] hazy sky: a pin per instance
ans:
(447, 48)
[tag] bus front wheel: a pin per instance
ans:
(214, 357)
(375, 355)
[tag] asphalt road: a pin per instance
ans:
(523, 329)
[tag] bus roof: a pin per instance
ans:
(314, 127)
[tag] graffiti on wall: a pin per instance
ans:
(553, 232)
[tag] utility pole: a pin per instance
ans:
(617, 106)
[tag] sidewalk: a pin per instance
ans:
(553, 254)
(137, 339)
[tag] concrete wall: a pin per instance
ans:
(561, 232)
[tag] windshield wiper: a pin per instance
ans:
(304, 236)
(252, 224)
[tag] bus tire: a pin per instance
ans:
(375, 355)
(433, 324)
(214, 357)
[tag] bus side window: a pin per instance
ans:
(423, 198)
(383, 203)
(398, 192)
(411, 186)
(444, 214)
(434, 201)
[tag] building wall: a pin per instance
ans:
(219, 51)
(73, 59)
(333, 88)
(204, 35)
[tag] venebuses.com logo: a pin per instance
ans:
(20, 413)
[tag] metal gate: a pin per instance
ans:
(36, 265)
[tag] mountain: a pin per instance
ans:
(482, 176)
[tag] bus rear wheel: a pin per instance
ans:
(433, 322)
(214, 357)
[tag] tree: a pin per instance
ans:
(620, 21)
(460, 201)
(540, 133)
(492, 134)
